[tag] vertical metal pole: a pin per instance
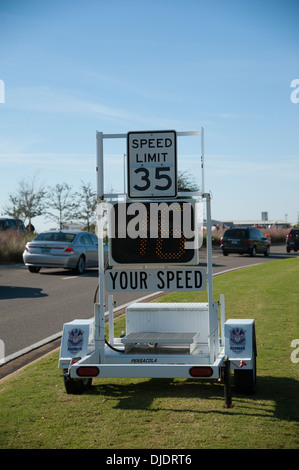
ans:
(111, 324)
(202, 161)
(100, 312)
(125, 172)
(210, 279)
(222, 307)
(100, 166)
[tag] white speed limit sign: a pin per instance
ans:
(152, 164)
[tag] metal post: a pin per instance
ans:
(100, 312)
(210, 280)
(202, 161)
(222, 307)
(100, 166)
(111, 324)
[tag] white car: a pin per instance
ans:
(68, 249)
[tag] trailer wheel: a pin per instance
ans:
(76, 386)
(245, 380)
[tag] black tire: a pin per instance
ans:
(288, 249)
(253, 251)
(245, 380)
(225, 253)
(267, 252)
(76, 386)
(34, 269)
(80, 268)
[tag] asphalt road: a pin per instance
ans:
(34, 307)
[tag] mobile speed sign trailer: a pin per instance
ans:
(153, 246)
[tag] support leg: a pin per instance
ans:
(227, 384)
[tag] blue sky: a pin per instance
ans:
(70, 68)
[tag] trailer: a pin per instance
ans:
(154, 238)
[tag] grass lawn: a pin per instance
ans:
(36, 412)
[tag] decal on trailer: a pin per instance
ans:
(75, 340)
(237, 339)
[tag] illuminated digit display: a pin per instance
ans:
(153, 233)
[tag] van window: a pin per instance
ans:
(236, 233)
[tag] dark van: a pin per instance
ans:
(11, 224)
(244, 240)
(292, 240)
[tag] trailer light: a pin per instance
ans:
(69, 250)
(201, 371)
(87, 371)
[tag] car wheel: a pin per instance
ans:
(288, 249)
(80, 268)
(225, 253)
(253, 251)
(34, 269)
(267, 252)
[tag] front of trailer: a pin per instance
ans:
(154, 239)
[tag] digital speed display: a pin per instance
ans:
(153, 233)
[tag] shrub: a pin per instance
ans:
(12, 245)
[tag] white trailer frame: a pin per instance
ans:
(86, 353)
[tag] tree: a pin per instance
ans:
(86, 205)
(28, 202)
(16, 209)
(186, 182)
(61, 201)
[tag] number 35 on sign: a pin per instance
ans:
(152, 164)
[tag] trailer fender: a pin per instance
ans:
(240, 343)
(240, 347)
(77, 341)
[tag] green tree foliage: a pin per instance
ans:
(186, 182)
(61, 207)
(86, 205)
(28, 202)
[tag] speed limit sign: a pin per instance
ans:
(152, 164)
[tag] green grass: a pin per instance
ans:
(35, 411)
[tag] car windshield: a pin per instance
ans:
(56, 237)
(236, 233)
